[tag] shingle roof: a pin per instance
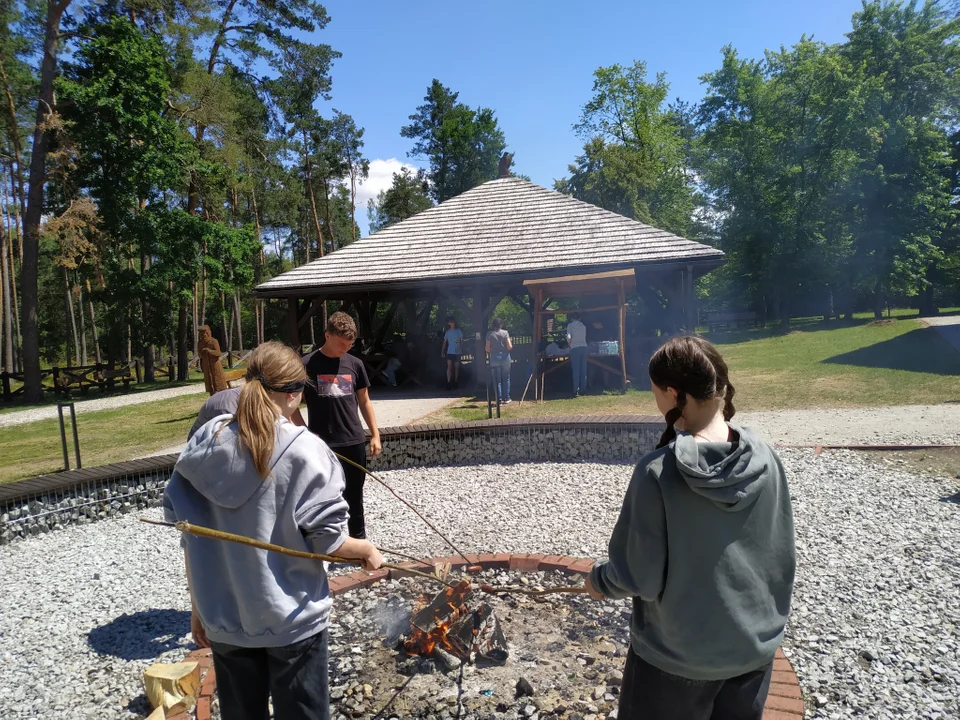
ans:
(502, 227)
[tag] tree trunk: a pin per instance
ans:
(227, 329)
(878, 301)
(19, 202)
(93, 324)
(829, 311)
(183, 369)
(233, 317)
(236, 311)
(196, 323)
(68, 299)
(17, 337)
(6, 280)
(33, 388)
(83, 325)
(149, 352)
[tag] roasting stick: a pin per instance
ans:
(199, 531)
(419, 515)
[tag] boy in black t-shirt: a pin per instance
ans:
(340, 390)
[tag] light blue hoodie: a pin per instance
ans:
(245, 596)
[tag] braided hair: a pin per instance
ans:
(694, 368)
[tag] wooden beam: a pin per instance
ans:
(526, 306)
(458, 300)
(305, 316)
(293, 327)
(580, 310)
(425, 314)
(382, 332)
(622, 297)
(492, 304)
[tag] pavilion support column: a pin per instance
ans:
(293, 324)
(480, 332)
(689, 301)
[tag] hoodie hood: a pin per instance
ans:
(221, 469)
(731, 475)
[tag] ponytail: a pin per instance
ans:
(256, 416)
(272, 365)
(728, 409)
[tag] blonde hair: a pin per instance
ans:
(274, 364)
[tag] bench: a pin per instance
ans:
(108, 377)
(729, 319)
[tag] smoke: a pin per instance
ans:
(393, 618)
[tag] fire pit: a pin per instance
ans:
(463, 652)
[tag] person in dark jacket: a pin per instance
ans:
(705, 547)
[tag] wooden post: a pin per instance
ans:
(690, 301)
(537, 320)
(136, 367)
(5, 379)
(623, 335)
(293, 327)
(171, 370)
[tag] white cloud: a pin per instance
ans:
(381, 178)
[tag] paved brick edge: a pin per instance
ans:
(785, 701)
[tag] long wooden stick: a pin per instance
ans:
(397, 496)
(200, 531)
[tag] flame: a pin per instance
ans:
(424, 643)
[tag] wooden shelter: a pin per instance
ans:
(504, 238)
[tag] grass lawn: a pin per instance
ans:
(864, 364)
(106, 436)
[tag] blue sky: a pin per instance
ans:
(532, 61)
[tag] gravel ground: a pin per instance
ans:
(21, 417)
(84, 610)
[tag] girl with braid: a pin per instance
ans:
(704, 545)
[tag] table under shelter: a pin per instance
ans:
(506, 238)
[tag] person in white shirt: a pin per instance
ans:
(577, 339)
(452, 344)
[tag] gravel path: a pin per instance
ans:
(107, 403)
(84, 610)
(906, 424)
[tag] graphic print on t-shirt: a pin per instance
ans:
(340, 385)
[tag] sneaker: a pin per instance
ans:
(507, 401)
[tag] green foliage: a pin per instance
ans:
(634, 159)
(408, 195)
(462, 145)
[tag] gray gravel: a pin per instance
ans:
(879, 578)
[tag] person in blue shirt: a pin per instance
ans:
(452, 348)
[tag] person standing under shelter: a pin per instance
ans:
(577, 340)
(498, 348)
(451, 350)
(338, 389)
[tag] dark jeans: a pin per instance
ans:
(500, 377)
(578, 362)
(353, 489)
(295, 677)
(648, 693)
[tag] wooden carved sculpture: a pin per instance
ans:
(209, 348)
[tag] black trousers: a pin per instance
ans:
(648, 693)
(353, 489)
(295, 677)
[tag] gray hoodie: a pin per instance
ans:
(704, 546)
(245, 596)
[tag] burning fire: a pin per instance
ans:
(448, 623)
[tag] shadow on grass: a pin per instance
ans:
(193, 416)
(143, 635)
(921, 350)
